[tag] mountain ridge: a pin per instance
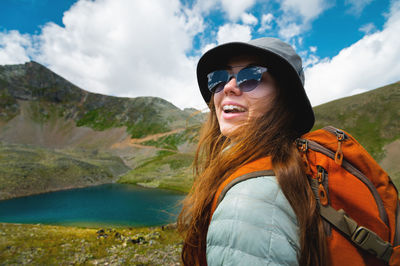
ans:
(35, 83)
(372, 117)
(39, 108)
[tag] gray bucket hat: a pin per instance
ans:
(282, 62)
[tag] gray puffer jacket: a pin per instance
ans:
(253, 225)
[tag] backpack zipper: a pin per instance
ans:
(341, 136)
(354, 171)
(302, 145)
(321, 178)
(336, 132)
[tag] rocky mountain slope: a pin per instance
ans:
(31, 91)
(39, 110)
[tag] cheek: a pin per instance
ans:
(217, 100)
(263, 92)
(260, 101)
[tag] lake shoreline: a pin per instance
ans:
(130, 227)
(143, 185)
(105, 205)
(33, 193)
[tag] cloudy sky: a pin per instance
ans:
(150, 48)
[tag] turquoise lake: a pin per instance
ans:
(104, 205)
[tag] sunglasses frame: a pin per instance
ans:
(239, 82)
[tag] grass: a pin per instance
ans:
(27, 170)
(63, 245)
(167, 170)
(101, 118)
(106, 117)
(173, 141)
(371, 117)
(142, 129)
(8, 106)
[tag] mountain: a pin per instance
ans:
(44, 116)
(373, 118)
(50, 95)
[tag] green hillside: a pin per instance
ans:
(35, 83)
(55, 135)
(171, 167)
(26, 170)
(373, 118)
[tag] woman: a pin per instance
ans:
(258, 107)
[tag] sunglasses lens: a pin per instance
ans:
(217, 80)
(248, 85)
(249, 78)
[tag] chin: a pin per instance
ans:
(227, 131)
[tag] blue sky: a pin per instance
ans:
(150, 48)
(27, 16)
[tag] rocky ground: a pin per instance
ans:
(58, 245)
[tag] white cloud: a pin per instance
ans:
(15, 48)
(307, 9)
(298, 15)
(235, 9)
(310, 60)
(249, 19)
(313, 49)
(205, 6)
(208, 47)
(267, 18)
(266, 21)
(369, 63)
(357, 6)
(290, 30)
(140, 48)
(126, 48)
(368, 28)
(233, 32)
(229, 33)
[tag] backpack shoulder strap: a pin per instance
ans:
(396, 241)
(240, 179)
(259, 167)
(323, 141)
(360, 236)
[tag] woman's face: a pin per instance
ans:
(234, 107)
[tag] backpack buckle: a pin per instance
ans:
(302, 144)
(371, 242)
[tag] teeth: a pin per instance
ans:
(233, 108)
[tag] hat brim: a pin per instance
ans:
(278, 66)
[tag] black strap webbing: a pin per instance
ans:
(396, 241)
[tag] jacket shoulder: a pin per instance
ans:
(253, 225)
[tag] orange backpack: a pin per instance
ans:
(355, 195)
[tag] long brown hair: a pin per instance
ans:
(272, 134)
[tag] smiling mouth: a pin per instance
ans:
(233, 109)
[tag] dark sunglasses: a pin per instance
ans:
(247, 79)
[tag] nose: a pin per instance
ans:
(231, 87)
